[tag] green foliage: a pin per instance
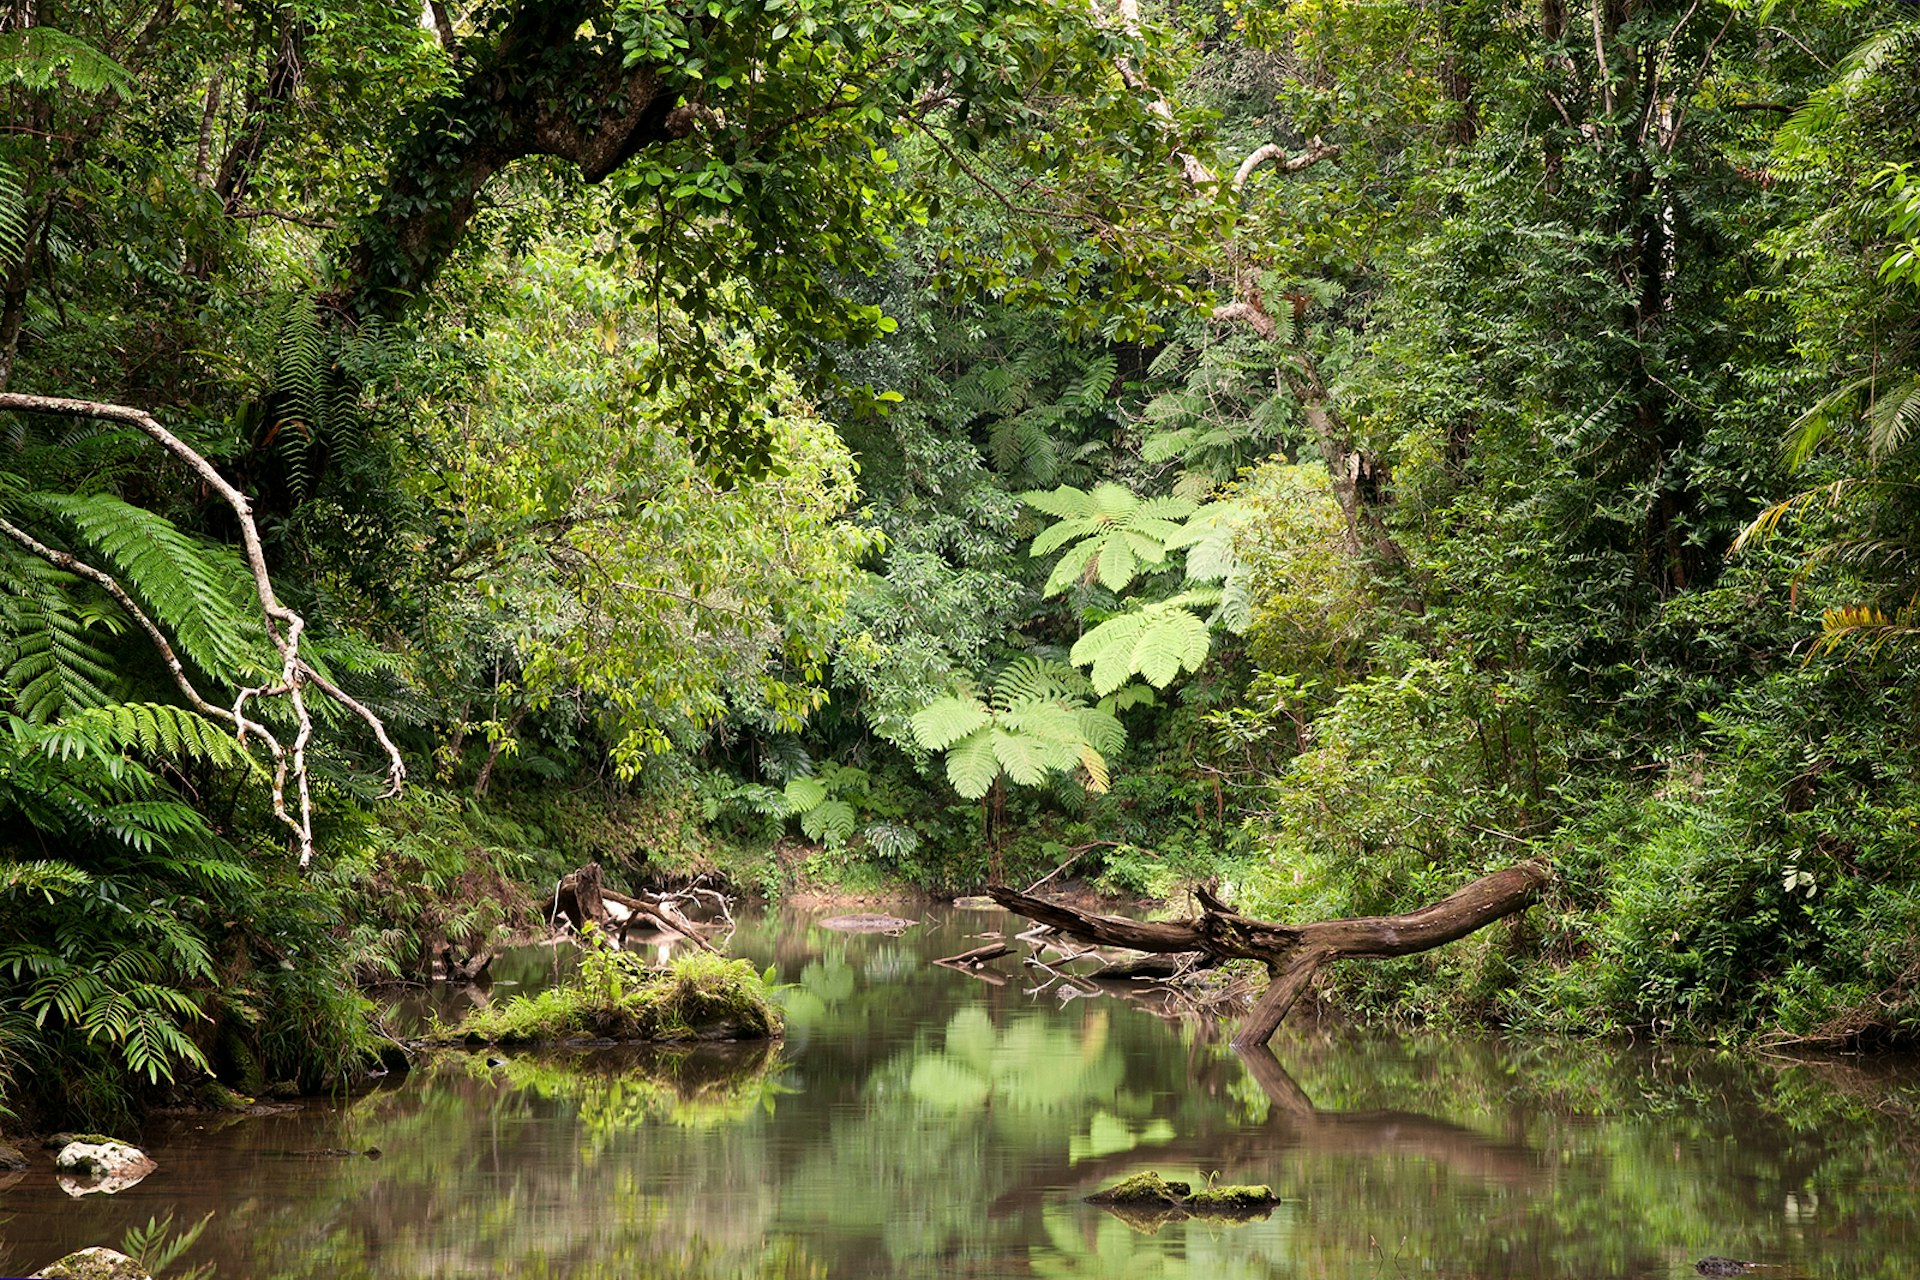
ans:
(614, 994)
(1114, 535)
(41, 57)
(1034, 723)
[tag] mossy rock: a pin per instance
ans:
(1144, 1189)
(217, 1097)
(93, 1264)
(1146, 1201)
(615, 999)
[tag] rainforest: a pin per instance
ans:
(1308, 455)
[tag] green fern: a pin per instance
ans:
(832, 822)
(44, 58)
(48, 656)
(192, 588)
(1156, 641)
(50, 878)
(13, 217)
(1114, 534)
(1033, 726)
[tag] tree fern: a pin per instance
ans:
(1114, 534)
(948, 720)
(1034, 725)
(1155, 641)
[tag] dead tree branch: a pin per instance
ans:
(1294, 953)
(1316, 152)
(283, 626)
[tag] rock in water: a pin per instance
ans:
(109, 1166)
(868, 923)
(93, 1264)
(11, 1157)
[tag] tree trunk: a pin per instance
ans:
(577, 899)
(1294, 953)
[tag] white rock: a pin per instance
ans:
(89, 1167)
(96, 1263)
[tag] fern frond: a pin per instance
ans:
(831, 822)
(1035, 679)
(972, 767)
(945, 721)
(45, 58)
(1155, 642)
(48, 877)
(1090, 391)
(13, 217)
(1892, 419)
(192, 588)
(803, 795)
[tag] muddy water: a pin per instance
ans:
(920, 1122)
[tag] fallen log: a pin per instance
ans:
(1293, 953)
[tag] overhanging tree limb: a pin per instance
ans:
(283, 625)
(1293, 953)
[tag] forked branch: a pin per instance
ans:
(1293, 953)
(283, 625)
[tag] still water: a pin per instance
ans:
(921, 1122)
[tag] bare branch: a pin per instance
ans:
(284, 627)
(1316, 152)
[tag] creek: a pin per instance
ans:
(918, 1122)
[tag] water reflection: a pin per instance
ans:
(919, 1122)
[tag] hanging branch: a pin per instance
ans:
(283, 626)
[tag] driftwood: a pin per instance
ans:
(1293, 953)
(661, 912)
(976, 957)
(582, 898)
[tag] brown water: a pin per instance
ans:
(921, 1122)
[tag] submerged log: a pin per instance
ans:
(1293, 953)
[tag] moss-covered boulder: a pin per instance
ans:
(1147, 1201)
(96, 1263)
(1144, 1190)
(614, 997)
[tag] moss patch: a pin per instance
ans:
(613, 997)
(1143, 1189)
(1147, 1202)
(1254, 1198)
